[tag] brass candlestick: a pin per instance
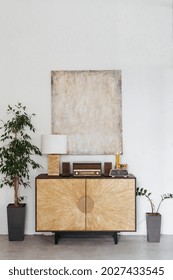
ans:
(117, 163)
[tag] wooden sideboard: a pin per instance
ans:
(85, 205)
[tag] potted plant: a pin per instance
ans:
(16, 157)
(153, 218)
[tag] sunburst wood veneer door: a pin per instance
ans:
(113, 206)
(59, 203)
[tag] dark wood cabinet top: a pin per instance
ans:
(46, 176)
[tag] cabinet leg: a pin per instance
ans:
(115, 236)
(56, 237)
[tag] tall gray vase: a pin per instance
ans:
(153, 221)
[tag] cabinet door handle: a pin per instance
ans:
(85, 204)
(89, 204)
(81, 204)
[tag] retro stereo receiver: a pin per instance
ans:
(81, 169)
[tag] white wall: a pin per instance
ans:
(136, 36)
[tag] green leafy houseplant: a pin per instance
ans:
(144, 192)
(17, 150)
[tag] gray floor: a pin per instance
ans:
(42, 247)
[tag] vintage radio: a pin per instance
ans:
(87, 169)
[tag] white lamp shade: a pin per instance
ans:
(54, 144)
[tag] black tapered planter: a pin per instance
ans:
(153, 227)
(16, 221)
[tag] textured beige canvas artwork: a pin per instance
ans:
(87, 107)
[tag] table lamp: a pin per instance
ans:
(54, 146)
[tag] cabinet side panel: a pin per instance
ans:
(114, 204)
(57, 204)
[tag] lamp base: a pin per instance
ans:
(53, 165)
